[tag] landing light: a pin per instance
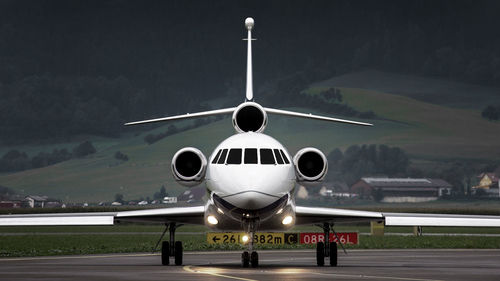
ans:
(220, 211)
(279, 211)
(245, 238)
(212, 220)
(287, 220)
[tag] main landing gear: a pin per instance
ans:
(251, 258)
(327, 248)
(171, 248)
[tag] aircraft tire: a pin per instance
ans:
(178, 253)
(245, 259)
(254, 259)
(320, 253)
(333, 254)
(165, 253)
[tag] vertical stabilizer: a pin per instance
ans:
(249, 23)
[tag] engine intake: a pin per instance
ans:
(249, 117)
(189, 166)
(310, 164)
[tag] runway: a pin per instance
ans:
(417, 265)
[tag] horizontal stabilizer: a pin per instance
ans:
(312, 116)
(185, 116)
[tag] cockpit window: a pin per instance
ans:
(216, 157)
(251, 156)
(284, 157)
(222, 157)
(279, 159)
(234, 156)
(266, 156)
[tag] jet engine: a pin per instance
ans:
(189, 166)
(249, 117)
(310, 164)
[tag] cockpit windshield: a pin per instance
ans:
(266, 156)
(237, 156)
(222, 158)
(234, 156)
(251, 156)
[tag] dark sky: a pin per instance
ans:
(164, 56)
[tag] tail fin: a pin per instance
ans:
(249, 23)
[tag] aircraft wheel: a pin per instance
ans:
(333, 254)
(165, 253)
(178, 253)
(254, 259)
(245, 259)
(320, 253)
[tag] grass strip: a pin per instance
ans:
(47, 245)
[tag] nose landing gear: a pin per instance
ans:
(252, 258)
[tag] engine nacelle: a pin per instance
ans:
(310, 164)
(189, 166)
(249, 117)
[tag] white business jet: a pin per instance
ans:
(250, 179)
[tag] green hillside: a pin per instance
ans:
(424, 130)
(431, 131)
(435, 91)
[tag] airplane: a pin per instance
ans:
(250, 180)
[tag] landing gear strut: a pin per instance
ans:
(251, 258)
(327, 248)
(171, 248)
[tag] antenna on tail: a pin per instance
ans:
(249, 23)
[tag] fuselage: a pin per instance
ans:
(250, 176)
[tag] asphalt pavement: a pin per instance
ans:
(428, 264)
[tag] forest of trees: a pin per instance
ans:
(366, 160)
(370, 160)
(14, 160)
(327, 101)
(491, 112)
(85, 67)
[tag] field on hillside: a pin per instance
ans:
(432, 131)
(428, 132)
(99, 177)
(436, 91)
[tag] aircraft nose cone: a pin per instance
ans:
(252, 204)
(251, 200)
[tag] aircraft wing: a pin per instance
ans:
(414, 219)
(314, 215)
(187, 215)
(58, 219)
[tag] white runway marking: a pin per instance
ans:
(211, 271)
(372, 277)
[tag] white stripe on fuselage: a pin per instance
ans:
(250, 186)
